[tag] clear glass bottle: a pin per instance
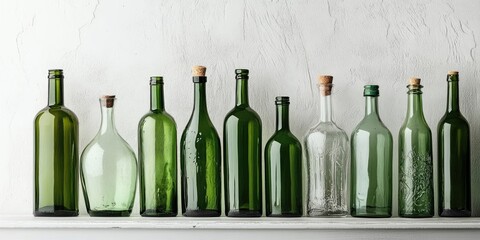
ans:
(200, 157)
(454, 198)
(157, 157)
(415, 170)
(56, 154)
(242, 136)
(108, 169)
(372, 154)
(283, 168)
(327, 156)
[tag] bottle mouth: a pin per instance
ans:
(156, 80)
(371, 91)
(107, 100)
(282, 100)
(55, 73)
(241, 74)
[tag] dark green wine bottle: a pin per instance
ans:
(453, 157)
(56, 154)
(415, 170)
(283, 168)
(242, 140)
(157, 155)
(372, 154)
(200, 158)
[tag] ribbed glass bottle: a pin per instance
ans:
(157, 157)
(327, 156)
(242, 141)
(283, 168)
(453, 157)
(108, 169)
(200, 157)
(415, 170)
(56, 154)
(371, 174)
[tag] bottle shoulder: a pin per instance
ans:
(372, 126)
(152, 117)
(56, 112)
(111, 144)
(244, 114)
(455, 119)
(417, 124)
(283, 138)
(328, 128)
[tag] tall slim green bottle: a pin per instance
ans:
(371, 174)
(200, 158)
(157, 155)
(283, 168)
(56, 154)
(453, 157)
(242, 140)
(415, 170)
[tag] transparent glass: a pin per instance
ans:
(454, 196)
(371, 174)
(242, 153)
(283, 168)
(415, 171)
(157, 157)
(108, 169)
(56, 155)
(327, 157)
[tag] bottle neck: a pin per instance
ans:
(242, 93)
(371, 106)
(108, 123)
(282, 117)
(415, 106)
(453, 102)
(325, 108)
(55, 92)
(200, 101)
(156, 98)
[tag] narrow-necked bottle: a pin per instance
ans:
(283, 168)
(453, 157)
(242, 140)
(200, 157)
(157, 157)
(108, 169)
(56, 154)
(327, 156)
(371, 174)
(415, 170)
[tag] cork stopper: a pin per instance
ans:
(325, 84)
(414, 81)
(452, 72)
(198, 71)
(107, 100)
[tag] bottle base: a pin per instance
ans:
(415, 215)
(202, 213)
(244, 213)
(371, 212)
(322, 213)
(284, 215)
(52, 211)
(454, 213)
(110, 213)
(155, 213)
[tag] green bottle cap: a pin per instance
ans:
(371, 90)
(241, 74)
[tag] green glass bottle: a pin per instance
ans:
(56, 154)
(453, 157)
(242, 141)
(283, 168)
(157, 155)
(415, 170)
(372, 154)
(200, 158)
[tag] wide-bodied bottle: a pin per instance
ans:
(157, 157)
(371, 173)
(200, 157)
(55, 154)
(415, 159)
(327, 156)
(242, 141)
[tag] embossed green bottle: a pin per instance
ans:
(56, 154)
(415, 171)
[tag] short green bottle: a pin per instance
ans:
(454, 198)
(242, 141)
(415, 170)
(200, 157)
(157, 157)
(372, 154)
(56, 154)
(283, 168)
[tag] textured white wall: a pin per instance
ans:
(112, 47)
